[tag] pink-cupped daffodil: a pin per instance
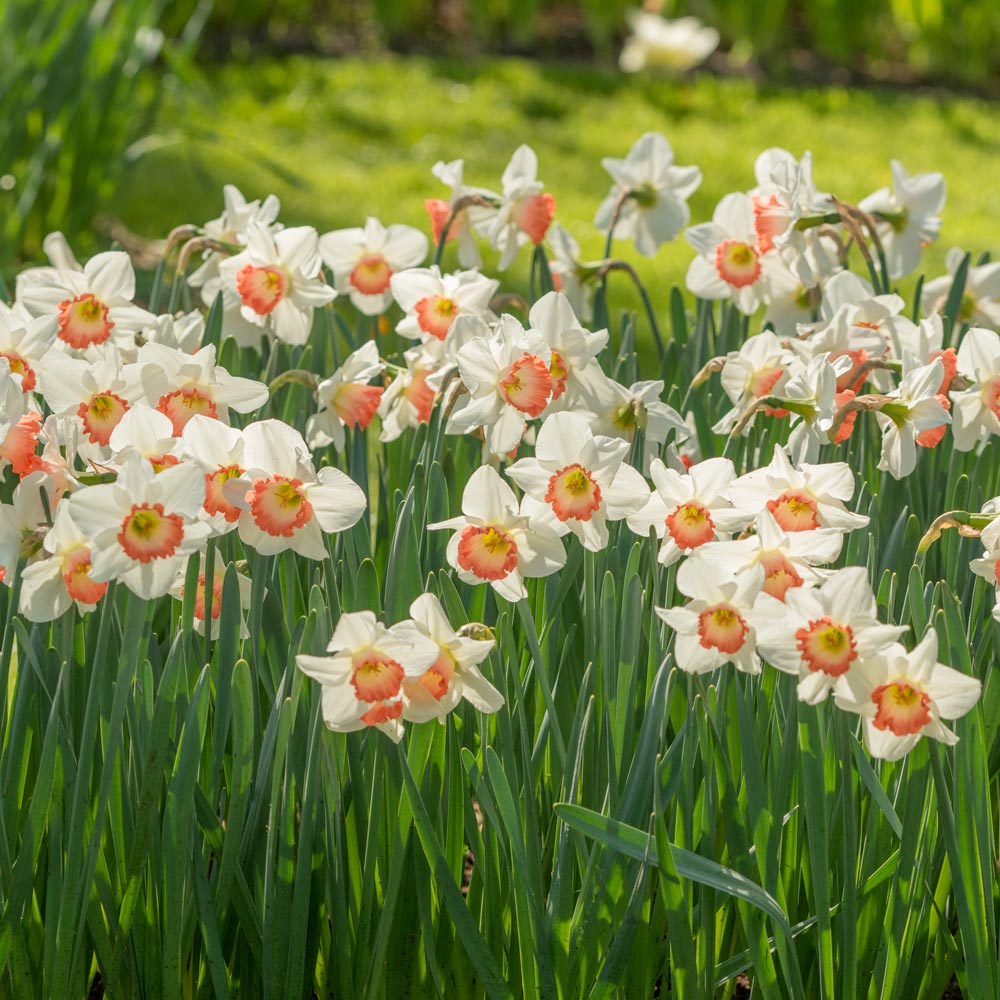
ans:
(509, 381)
(363, 261)
(433, 301)
(903, 696)
(583, 480)
(408, 400)
(24, 342)
(362, 678)
(218, 451)
(820, 633)
(346, 399)
(455, 674)
(810, 395)
(92, 306)
(494, 542)
(50, 586)
(800, 498)
(731, 263)
(785, 193)
(211, 608)
(464, 221)
(788, 559)
(95, 393)
(574, 350)
(143, 526)
(525, 211)
(181, 385)
(285, 502)
(684, 507)
(278, 280)
(715, 626)
(19, 426)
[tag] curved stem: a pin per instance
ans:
(811, 221)
(190, 247)
(616, 212)
(297, 376)
(968, 526)
(860, 404)
(508, 300)
(760, 403)
(457, 208)
(621, 265)
(872, 364)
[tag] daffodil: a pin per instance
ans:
(684, 507)
(494, 542)
(285, 502)
(903, 696)
(278, 280)
(656, 43)
(820, 633)
(509, 381)
(648, 201)
(731, 263)
(363, 261)
(802, 498)
(346, 399)
(907, 216)
(143, 526)
(525, 211)
(92, 306)
(454, 675)
(432, 301)
(362, 678)
(583, 480)
(715, 626)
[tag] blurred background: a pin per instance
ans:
(122, 118)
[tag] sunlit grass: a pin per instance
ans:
(338, 140)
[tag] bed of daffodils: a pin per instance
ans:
(371, 630)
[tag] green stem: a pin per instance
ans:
(620, 265)
(297, 376)
(531, 634)
(811, 221)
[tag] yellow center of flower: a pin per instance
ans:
(827, 646)
(794, 511)
(572, 493)
(690, 525)
(489, 553)
(722, 627)
(902, 708)
(737, 263)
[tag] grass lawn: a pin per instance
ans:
(338, 140)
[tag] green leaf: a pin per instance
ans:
(641, 846)
(476, 948)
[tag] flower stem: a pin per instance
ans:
(621, 265)
(298, 376)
